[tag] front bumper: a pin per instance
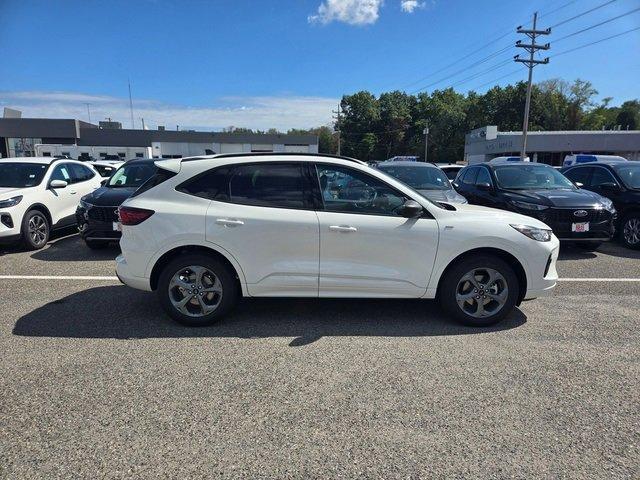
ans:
(544, 277)
(601, 224)
(97, 223)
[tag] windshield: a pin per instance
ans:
(630, 175)
(131, 175)
(419, 177)
(531, 177)
(21, 175)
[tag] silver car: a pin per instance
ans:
(429, 180)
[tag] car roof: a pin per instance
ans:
(609, 163)
(514, 163)
(302, 156)
(406, 164)
(141, 160)
(45, 160)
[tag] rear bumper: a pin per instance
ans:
(124, 274)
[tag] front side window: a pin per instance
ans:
(531, 177)
(469, 176)
(600, 176)
(21, 175)
(418, 177)
(279, 185)
(61, 172)
(579, 175)
(132, 175)
(347, 190)
(80, 173)
(630, 175)
(483, 176)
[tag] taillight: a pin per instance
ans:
(133, 216)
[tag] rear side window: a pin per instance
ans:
(580, 175)
(153, 181)
(278, 185)
(212, 185)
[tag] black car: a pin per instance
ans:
(620, 182)
(97, 213)
(540, 191)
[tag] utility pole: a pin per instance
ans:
(88, 111)
(426, 140)
(142, 120)
(130, 103)
(530, 62)
(338, 125)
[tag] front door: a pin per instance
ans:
(270, 228)
(366, 248)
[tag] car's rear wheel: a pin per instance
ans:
(197, 290)
(35, 230)
(630, 231)
(479, 291)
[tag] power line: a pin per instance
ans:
(596, 42)
(558, 9)
(596, 25)
(484, 72)
(583, 13)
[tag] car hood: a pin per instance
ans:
(109, 197)
(562, 198)
(8, 192)
(494, 214)
(450, 196)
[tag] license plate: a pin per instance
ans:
(117, 227)
(580, 227)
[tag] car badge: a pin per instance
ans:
(581, 213)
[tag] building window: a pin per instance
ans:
(139, 155)
(22, 147)
(122, 154)
(46, 154)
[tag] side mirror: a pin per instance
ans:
(610, 187)
(579, 184)
(58, 184)
(411, 209)
(485, 187)
(456, 185)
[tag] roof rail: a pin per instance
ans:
(275, 154)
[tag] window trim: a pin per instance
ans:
(426, 213)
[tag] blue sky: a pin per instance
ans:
(284, 63)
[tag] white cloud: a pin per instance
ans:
(262, 113)
(353, 12)
(409, 6)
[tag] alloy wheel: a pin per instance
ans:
(631, 231)
(195, 291)
(37, 228)
(482, 292)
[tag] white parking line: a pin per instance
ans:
(599, 279)
(58, 277)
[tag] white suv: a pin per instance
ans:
(40, 194)
(206, 230)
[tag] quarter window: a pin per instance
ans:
(212, 185)
(350, 191)
(268, 185)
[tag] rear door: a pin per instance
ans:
(267, 222)
(366, 248)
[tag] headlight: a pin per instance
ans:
(84, 204)
(10, 202)
(607, 204)
(535, 233)
(528, 206)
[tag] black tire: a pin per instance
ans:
(228, 297)
(451, 282)
(35, 230)
(627, 222)
(588, 246)
(96, 244)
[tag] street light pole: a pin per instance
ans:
(426, 141)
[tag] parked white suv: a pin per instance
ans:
(40, 194)
(205, 231)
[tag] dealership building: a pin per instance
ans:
(483, 144)
(78, 139)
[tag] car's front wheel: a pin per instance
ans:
(35, 230)
(197, 290)
(479, 291)
(630, 231)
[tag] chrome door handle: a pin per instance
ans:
(72, 192)
(227, 222)
(342, 228)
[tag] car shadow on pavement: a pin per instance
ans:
(121, 313)
(613, 249)
(73, 249)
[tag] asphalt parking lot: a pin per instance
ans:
(96, 382)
